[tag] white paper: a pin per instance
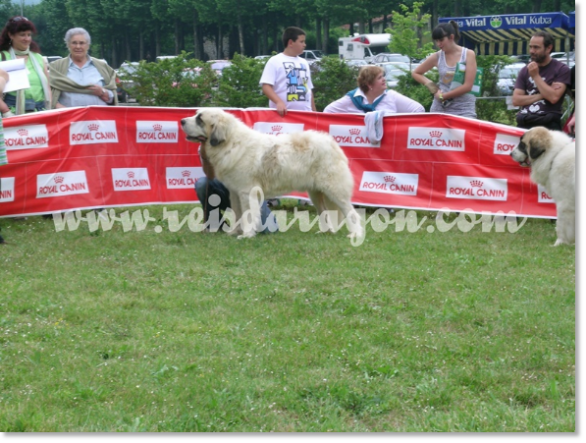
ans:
(17, 75)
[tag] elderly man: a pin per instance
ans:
(81, 80)
(540, 86)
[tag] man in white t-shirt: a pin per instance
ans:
(286, 79)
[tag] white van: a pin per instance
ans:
(363, 46)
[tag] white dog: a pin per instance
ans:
(243, 159)
(552, 157)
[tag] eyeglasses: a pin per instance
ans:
(19, 18)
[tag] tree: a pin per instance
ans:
(405, 30)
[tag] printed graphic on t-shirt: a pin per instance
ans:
(537, 107)
(296, 82)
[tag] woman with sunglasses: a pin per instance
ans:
(16, 42)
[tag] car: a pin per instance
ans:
(522, 58)
(262, 57)
(393, 71)
(219, 65)
(312, 55)
(565, 57)
(355, 62)
(386, 58)
(124, 81)
(507, 77)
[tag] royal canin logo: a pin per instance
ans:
(93, 126)
(435, 134)
(476, 184)
(186, 174)
(58, 179)
(390, 178)
(130, 174)
(157, 127)
(276, 128)
(22, 132)
(354, 131)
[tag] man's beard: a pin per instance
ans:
(538, 58)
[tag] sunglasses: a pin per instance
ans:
(19, 19)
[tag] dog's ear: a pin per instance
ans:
(218, 134)
(537, 144)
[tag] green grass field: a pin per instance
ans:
(295, 331)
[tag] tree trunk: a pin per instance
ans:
(326, 27)
(197, 50)
(264, 41)
(434, 14)
(176, 28)
(318, 33)
(127, 49)
(536, 6)
(361, 27)
(219, 43)
(457, 8)
(157, 41)
(241, 34)
(140, 45)
(370, 28)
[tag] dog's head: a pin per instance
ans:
(208, 124)
(532, 145)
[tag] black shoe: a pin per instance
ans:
(1, 240)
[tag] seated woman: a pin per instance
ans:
(81, 80)
(372, 95)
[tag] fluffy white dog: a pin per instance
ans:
(243, 159)
(552, 158)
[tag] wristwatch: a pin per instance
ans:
(441, 96)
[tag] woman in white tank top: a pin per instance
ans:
(458, 101)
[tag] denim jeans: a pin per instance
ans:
(205, 189)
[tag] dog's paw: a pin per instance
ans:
(247, 235)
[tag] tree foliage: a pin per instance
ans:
(137, 29)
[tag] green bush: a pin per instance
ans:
(332, 78)
(494, 110)
(239, 84)
(165, 83)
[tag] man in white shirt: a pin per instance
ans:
(286, 79)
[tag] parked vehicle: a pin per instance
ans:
(312, 55)
(219, 65)
(565, 57)
(507, 77)
(393, 71)
(389, 58)
(124, 81)
(363, 46)
(355, 62)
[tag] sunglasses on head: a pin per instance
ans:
(19, 18)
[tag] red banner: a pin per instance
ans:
(96, 157)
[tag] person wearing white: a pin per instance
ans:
(372, 95)
(286, 78)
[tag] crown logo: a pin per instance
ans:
(58, 179)
(276, 128)
(185, 173)
(390, 178)
(130, 174)
(435, 134)
(93, 126)
(22, 132)
(157, 127)
(476, 184)
(354, 131)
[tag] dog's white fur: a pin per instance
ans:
(552, 157)
(243, 159)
